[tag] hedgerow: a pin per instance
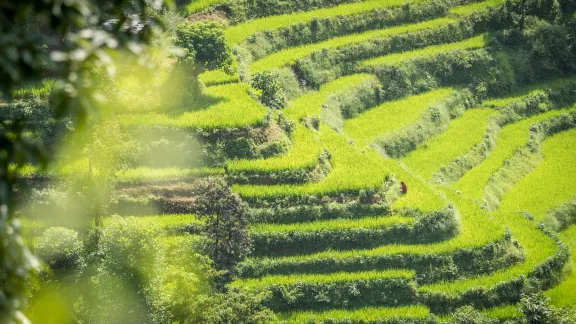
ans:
(307, 213)
(290, 56)
(337, 290)
(546, 256)
(305, 153)
(524, 159)
(563, 216)
(557, 166)
(394, 59)
(391, 116)
(346, 59)
(435, 121)
(380, 15)
(430, 267)
(461, 135)
(556, 95)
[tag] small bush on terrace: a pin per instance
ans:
(60, 248)
(537, 310)
(126, 246)
(271, 92)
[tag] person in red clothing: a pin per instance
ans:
(403, 187)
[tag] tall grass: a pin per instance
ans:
(551, 183)
(197, 5)
(143, 174)
(283, 280)
(477, 229)
(41, 90)
(240, 32)
(304, 153)
(361, 315)
(475, 7)
(537, 247)
(216, 77)
(289, 56)
(420, 195)
(170, 224)
(471, 43)
(232, 107)
(352, 171)
(462, 134)
(311, 103)
(511, 138)
(336, 224)
(391, 116)
(563, 295)
(504, 312)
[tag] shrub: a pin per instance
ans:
(204, 45)
(110, 299)
(537, 310)
(469, 315)
(237, 307)
(563, 216)
(432, 123)
(180, 281)
(271, 92)
(126, 246)
(60, 248)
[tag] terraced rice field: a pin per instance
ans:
(363, 268)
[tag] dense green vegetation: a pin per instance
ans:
(302, 161)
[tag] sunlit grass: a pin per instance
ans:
(462, 134)
(552, 183)
(240, 32)
(477, 229)
(361, 315)
(472, 43)
(537, 248)
(510, 138)
(391, 116)
(504, 312)
(475, 7)
(311, 103)
(41, 90)
(323, 278)
(216, 77)
(304, 153)
(563, 295)
(234, 108)
(147, 174)
(197, 5)
(336, 224)
(352, 171)
(289, 56)
(420, 195)
(170, 224)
